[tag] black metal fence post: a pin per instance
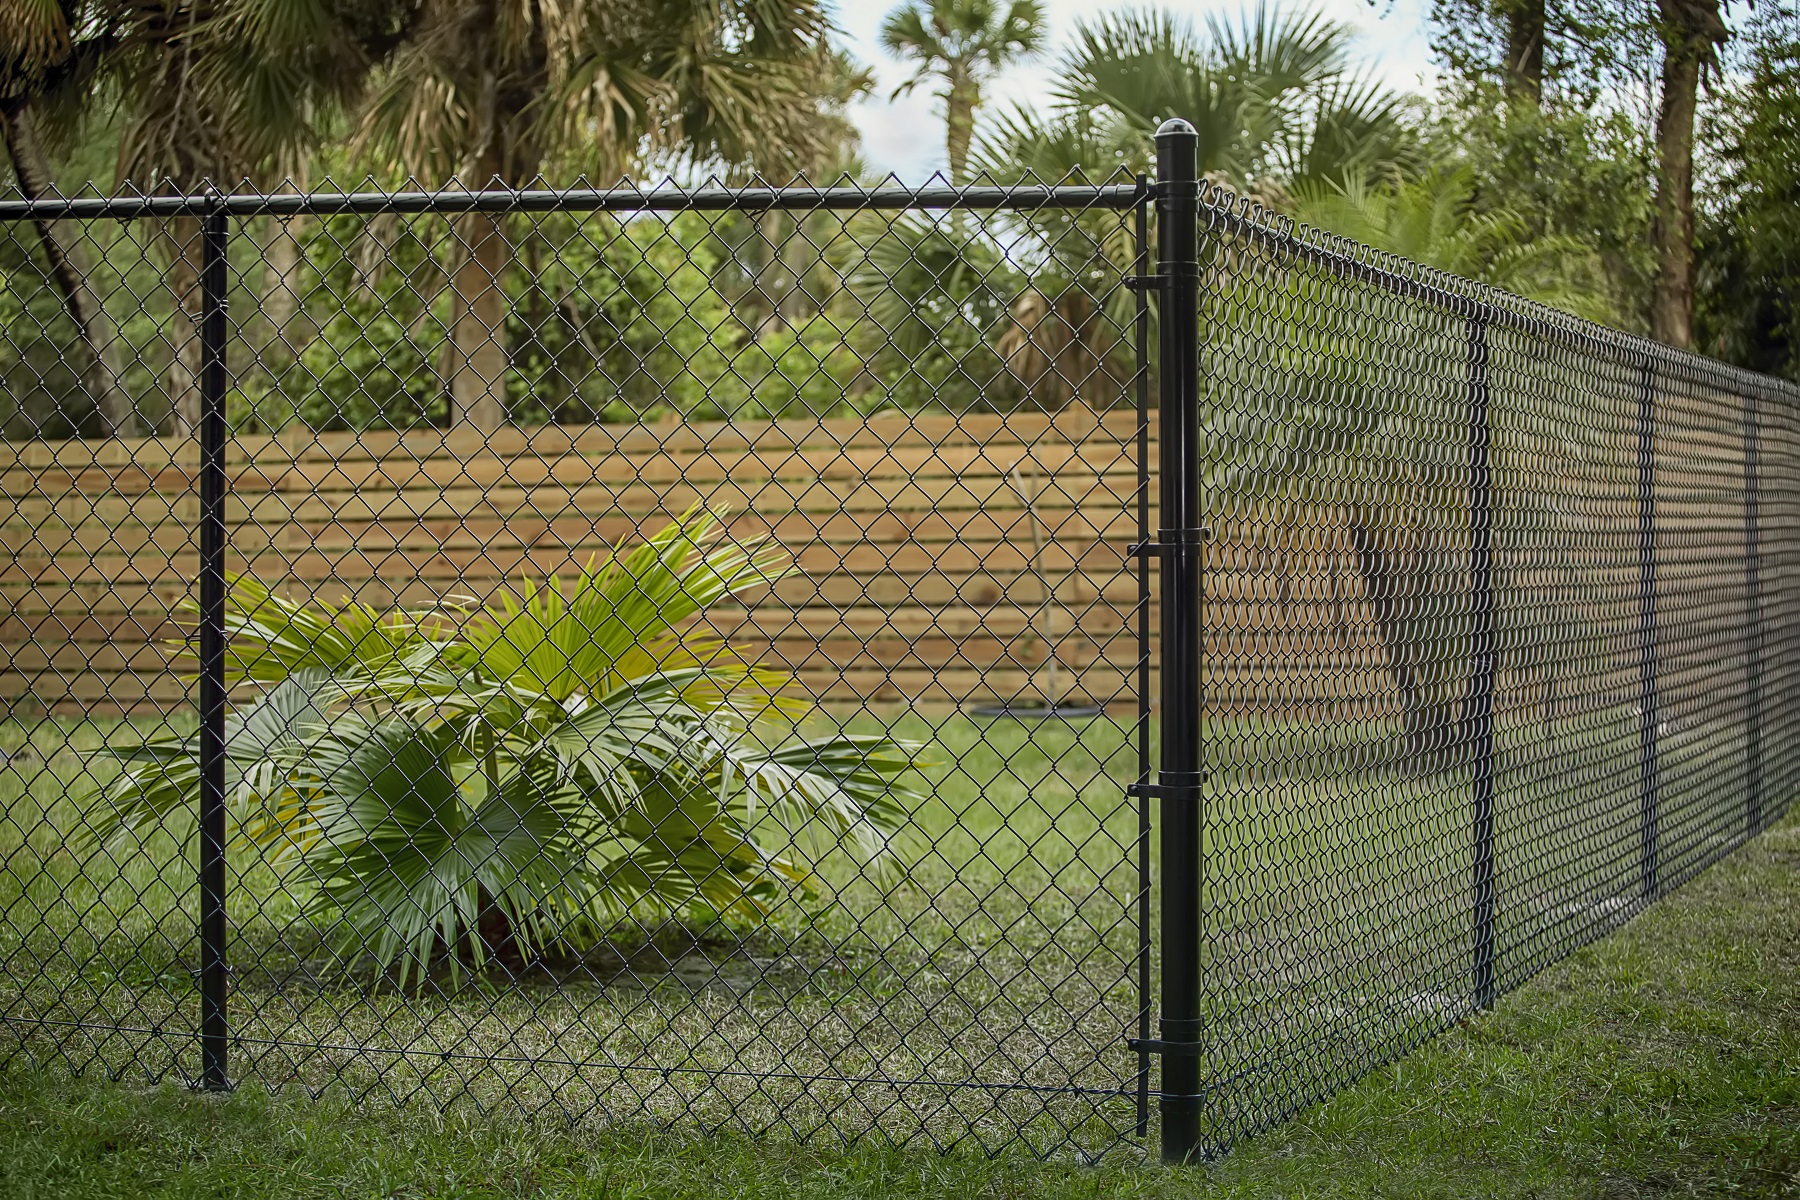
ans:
(1753, 801)
(1650, 848)
(1180, 537)
(1146, 951)
(1478, 716)
(214, 383)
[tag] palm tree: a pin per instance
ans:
(1278, 105)
(48, 54)
(1274, 96)
(938, 290)
(497, 91)
(486, 785)
(218, 90)
(1405, 526)
(1432, 219)
(1065, 335)
(778, 286)
(965, 44)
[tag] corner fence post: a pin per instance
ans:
(1478, 715)
(1651, 836)
(1753, 800)
(1180, 539)
(214, 383)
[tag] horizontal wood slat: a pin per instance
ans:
(915, 547)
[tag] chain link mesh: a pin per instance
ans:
(681, 656)
(688, 651)
(1498, 627)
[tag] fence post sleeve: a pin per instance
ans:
(1181, 549)
(214, 383)
(1478, 716)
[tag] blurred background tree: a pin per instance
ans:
(1632, 161)
(1749, 242)
(964, 44)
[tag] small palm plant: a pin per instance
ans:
(490, 782)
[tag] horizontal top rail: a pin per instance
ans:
(577, 199)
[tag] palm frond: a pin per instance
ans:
(408, 859)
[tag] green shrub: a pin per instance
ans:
(505, 780)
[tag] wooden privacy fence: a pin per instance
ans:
(939, 557)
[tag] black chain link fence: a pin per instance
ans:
(685, 655)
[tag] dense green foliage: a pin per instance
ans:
(1583, 180)
(1750, 234)
(1541, 175)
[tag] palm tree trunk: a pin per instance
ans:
(1691, 30)
(477, 349)
(103, 375)
(1398, 588)
(959, 132)
(288, 327)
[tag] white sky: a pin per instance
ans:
(906, 136)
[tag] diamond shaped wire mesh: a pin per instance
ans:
(687, 653)
(1495, 646)
(681, 655)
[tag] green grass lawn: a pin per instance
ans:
(1004, 954)
(1664, 1061)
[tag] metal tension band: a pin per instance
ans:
(1180, 1039)
(1171, 785)
(1165, 1048)
(1169, 539)
(1166, 273)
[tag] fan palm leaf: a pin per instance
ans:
(410, 853)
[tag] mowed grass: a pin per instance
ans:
(1663, 1061)
(1000, 950)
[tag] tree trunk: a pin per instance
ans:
(182, 244)
(103, 374)
(287, 326)
(1525, 52)
(794, 303)
(1691, 32)
(960, 127)
(552, 384)
(477, 350)
(1413, 628)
